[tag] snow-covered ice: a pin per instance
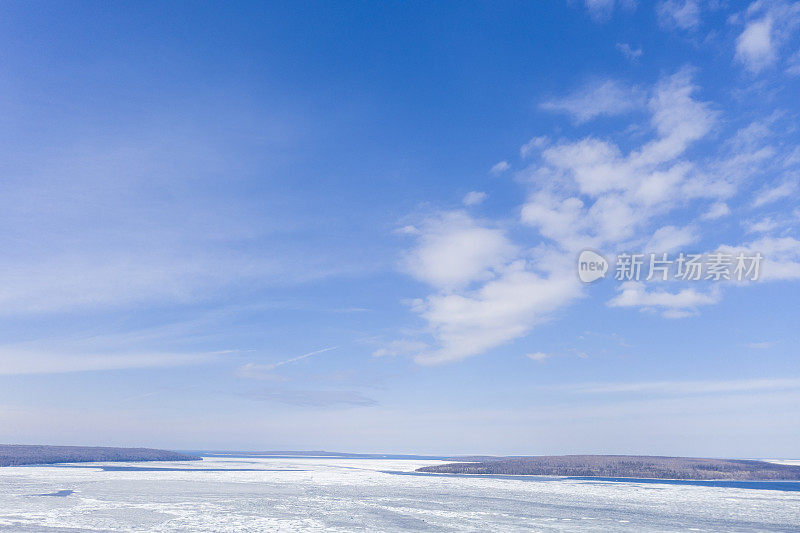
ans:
(338, 494)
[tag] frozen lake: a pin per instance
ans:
(344, 494)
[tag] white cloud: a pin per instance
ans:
(754, 47)
(633, 54)
(15, 361)
(455, 250)
(408, 229)
(112, 223)
(486, 296)
(768, 26)
(561, 220)
(763, 345)
(590, 193)
(401, 347)
(474, 198)
(672, 304)
(764, 225)
(773, 193)
(670, 238)
(681, 14)
(607, 98)
(499, 168)
(115, 278)
(600, 9)
(793, 64)
(539, 357)
(677, 116)
(536, 143)
(716, 210)
(781, 257)
(598, 196)
(258, 372)
(469, 323)
(687, 387)
(311, 398)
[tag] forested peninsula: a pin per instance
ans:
(628, 466)
(20, 454)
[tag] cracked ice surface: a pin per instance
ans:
(335, 494)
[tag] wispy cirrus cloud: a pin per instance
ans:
(598, 99)
(311, 398)
(126, 220)
(773, 193)
(602, 10)
(763, 345)
(25, 361)
(763, 225)
(633, 54)
(679, 14)
(687, 387)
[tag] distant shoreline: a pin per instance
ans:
(626, 478)
(625, 467)
(26, 455)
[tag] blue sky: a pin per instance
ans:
(355, 226)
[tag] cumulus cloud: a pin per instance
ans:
(591, 193)
(670, 238)
(633, 54)
(454, 250)
(486, 294)
(499, 168)
(768, 26)
(755, 47)
(781, 256)
(508, 307)
(671, 304)
(474, 198)
(597, 195)
(680, 14)
(606, 98)
(601, 10)
(715, 211)
(534, 145)
(539, 357)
